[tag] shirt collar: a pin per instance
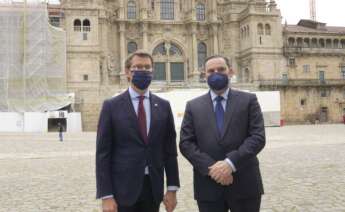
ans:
(224, 95)
(134, 95)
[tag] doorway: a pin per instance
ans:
(53, 124)
(324, 115)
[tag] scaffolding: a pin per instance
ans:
(32, 59)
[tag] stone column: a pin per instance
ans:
(143, 9)
(215, 38)
(121, 9)
(193, 12)
(167, 63)
(122, 29)
(145, 38)
(194, 75)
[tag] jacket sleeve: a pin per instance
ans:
(104, 152)
(255, 140)
(189, 146)
(170, 152)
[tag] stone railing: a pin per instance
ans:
(290, 51)
(301, 82)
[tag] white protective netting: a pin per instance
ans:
(32, 59)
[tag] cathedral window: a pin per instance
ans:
(160, 50)
(260, 29)
(131, 10)
(336, 44)
(322, 43)
(77, 25)
(343, 44)
(131, 47)
(202, 54)
(200, 12)
(86, 25)
(167, 9)
(267, 29)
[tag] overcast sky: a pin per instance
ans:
(331, 12)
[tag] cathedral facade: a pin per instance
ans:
(180, 34)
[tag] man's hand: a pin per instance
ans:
(170, 201)
(109, 205)
(221, 172)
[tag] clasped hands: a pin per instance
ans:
(221, 172)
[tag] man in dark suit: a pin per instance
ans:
(221, 134)
(136, 142)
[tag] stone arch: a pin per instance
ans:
(314, 43)
(267, 29)
(306, 42)
(329, 43)
(169, 61)
(299, 42)
(322, 43)
(336, 43)
(260, 29)
(291, 41)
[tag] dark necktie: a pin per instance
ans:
(142, 119)
(219, 114)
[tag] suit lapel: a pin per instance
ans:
(231, 106)
(154, 113)
(129, 109)
(210, 115)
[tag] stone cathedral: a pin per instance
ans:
(180, 34)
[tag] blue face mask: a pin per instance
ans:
(218, 81)
(142, 79)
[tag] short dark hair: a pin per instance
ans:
(139, 53)
(227, 61)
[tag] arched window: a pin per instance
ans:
(131, 47)
(202, 54)
(291, 42)
(77, 25)
(167, 9)
(343, 44)
(172, 65)
(131, 10)
(306, 42)
(267, 29)
(200, 12)
(160, 50)
(314, 43)
(329, 43)
(299, 42)
(174, 50)
(260, 29)
(86, 25)
(336, 43)
(322, 43)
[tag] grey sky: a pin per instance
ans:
(328, 11)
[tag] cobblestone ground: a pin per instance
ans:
(302, 167)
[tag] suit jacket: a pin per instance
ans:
(122, 155)
(242, 139)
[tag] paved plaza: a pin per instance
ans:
(303, 168)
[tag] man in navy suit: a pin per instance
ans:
(136, 142)
(221, 134)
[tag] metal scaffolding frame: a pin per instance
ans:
(32, 58)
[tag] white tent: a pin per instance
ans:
(269, 102)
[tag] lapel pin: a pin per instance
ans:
(156, 105)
